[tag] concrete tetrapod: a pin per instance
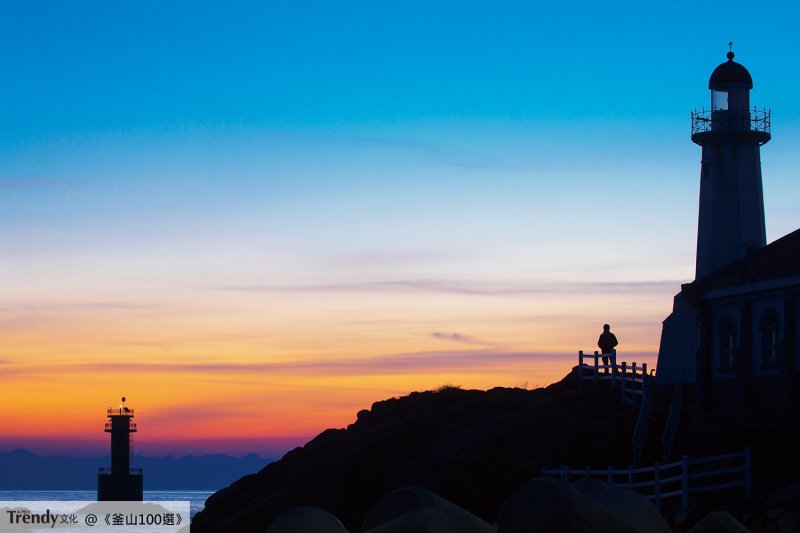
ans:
(412, 509)
(633, 507)
(549, 505)
(306, 520)
(719, 522)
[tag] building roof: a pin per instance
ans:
(730, 74)
(779, 259)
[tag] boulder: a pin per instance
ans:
(306, 520)
(418, 509)
(549, 505)
(425, 520)
(633, 507)
(719, 522)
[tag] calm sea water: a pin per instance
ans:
(197, 498)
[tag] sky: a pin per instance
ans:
(254, 219)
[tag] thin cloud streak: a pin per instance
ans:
(417, 362)
(75, 306)
(441, 155)
(459, 337)
(467, 288)
(34, 183)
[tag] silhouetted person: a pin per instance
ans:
(606, 342)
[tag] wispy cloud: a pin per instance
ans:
(418, 362)
(438, 154)
(397, 143)
(33, 183)
(459, 337)
(73, 306)
(456, 337)
(477, 288)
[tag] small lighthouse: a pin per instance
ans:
(731, 221)
(120, 482)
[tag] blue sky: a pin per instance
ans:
(377, 132)
(196, 174)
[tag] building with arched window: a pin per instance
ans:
(732, 335)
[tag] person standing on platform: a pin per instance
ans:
(607, 342)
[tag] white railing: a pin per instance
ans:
(630, 378)
(681, 478)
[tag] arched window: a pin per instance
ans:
(770, 330)
(727, 344)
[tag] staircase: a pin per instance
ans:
(666, 418)
(652, 449)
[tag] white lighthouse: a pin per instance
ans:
(731, 221)
(730, 349)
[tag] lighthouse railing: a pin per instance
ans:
(131, 426)
(122, 411)
(754, 119)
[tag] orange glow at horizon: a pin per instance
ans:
(254, 368)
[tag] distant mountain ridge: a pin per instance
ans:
(23, 470)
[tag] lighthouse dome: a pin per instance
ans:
(730, 74)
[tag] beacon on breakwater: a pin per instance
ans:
(121, 482)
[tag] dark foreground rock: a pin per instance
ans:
(472, 447)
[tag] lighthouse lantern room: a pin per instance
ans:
(731, 222)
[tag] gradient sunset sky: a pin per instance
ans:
(254, 219)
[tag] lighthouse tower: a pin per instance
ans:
(731, 222)
(120, 482)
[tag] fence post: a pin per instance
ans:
(685, 482)
(644, 377)
(613, 367)
(610, 477)
(630, 477)
(595, 367)
(565, 473)
(657, 475)
(586, 472)
(622, 388)
(580, 369)
(748, 473)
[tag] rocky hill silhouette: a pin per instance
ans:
(472, 447)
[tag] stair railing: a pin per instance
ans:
(673, 419)
(642, 421)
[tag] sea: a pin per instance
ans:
(196, 498)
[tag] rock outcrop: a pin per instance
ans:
(471, 447)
